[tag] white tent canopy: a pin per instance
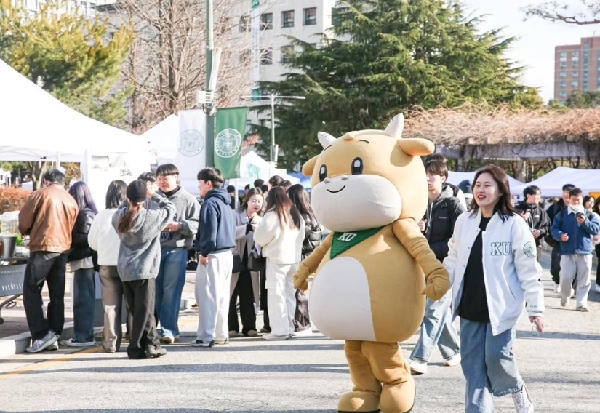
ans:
(456, 178)
(588, 180)
(163, 139)
(37, 126)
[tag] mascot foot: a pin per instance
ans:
(359, 402)
(399, 398)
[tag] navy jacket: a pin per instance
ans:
(580, 235)
(216, 232)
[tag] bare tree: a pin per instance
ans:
(582, 12)
(167, 63)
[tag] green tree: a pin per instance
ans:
(76, 59)
(386, 56)
(581, 12)
(583, 100)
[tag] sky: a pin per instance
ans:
(537, 38)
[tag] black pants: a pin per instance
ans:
(598, 265)
(45, 267)
(555, 264)
(140, 296)
(264, 303)
(243, 290)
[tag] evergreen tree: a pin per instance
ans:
(75, 58)
(386, 56)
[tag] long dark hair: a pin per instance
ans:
(83, 197)
(126, 221)
(250, 194)
(115, 194)
(299, 198)
(503, 206)
(278, 201)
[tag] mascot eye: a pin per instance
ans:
(323, 173)
(357, 166)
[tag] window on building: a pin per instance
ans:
(586, 46)
(286, 54)
(563, 55)
(266, 21)
(575, 74)
(563, 94)
(585, 85)
(563, 65)
(244, 23)
(245, 56)
(575, 55)
(310, 16)
(563, 74)
(575, 83)
(338, 15)
(585, 74)
(287, 18)
(575, 63)
(563, 84)
(266, 56)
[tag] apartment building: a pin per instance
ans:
(576, 67)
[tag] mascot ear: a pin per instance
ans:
(416, 146)
(309, 166)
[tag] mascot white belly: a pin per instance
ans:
(340, 301)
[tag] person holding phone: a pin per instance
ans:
(575, 229)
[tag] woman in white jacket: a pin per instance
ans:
(104, 240)
(494, 272)
(281, 234)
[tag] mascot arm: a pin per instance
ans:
(408, 233)
(311, 263)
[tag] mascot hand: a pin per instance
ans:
(438, 284)
(301, 278)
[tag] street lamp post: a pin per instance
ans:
(272, 97)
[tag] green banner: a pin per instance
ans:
(231, 128)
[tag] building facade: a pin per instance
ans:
(576, 67)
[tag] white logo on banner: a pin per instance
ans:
(191, 142)
(228, 143)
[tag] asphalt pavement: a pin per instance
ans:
(561, 369)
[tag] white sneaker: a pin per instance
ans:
(557, 288)
(522, 401)
(304, 333)
(38, 345)
(597, 288)
(418, 367)
(273, 337)
(453, 361)
(572, 293)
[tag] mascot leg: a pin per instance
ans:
(365, 395)
(389, 367)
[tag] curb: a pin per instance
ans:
(9, 346)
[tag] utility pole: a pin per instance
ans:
(272, 97)
(210, 102)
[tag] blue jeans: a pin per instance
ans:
(84, 304)
(488, 364)
(437, 329)
(169, 287)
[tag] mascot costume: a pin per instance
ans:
(373, 271)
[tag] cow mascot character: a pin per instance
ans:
(373, 271)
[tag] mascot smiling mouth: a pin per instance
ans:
(339, 190)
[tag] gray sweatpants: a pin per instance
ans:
(213, 283)
(577, 267)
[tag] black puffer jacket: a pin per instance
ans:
(441, 216)
(312, 236)
(80, 248)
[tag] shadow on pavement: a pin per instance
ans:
(557, 335)
(206, 368)
(177, 410)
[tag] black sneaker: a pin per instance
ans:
(200, 343)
